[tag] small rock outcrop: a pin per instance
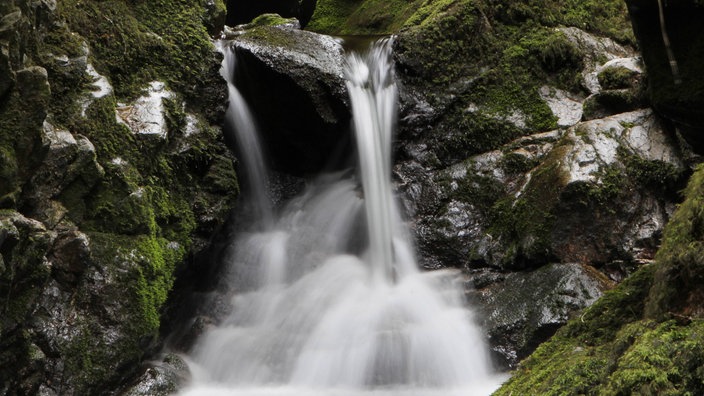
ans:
(522, 310)
(243, 11)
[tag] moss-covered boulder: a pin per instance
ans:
(243, 11)
(114, 171)
(672, 44)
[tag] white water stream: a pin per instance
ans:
(335, 303)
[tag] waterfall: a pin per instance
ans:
(239, 120)
(335, 304)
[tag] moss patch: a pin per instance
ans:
(577, 359)
(679, 288)
(134, 44)
(361, 17)
(140, 270)
(525, 222)
(481, 63)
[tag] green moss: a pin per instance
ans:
(514, 163)
(140, 214)
(525, 222)
(656, 355)
(679, 288)
(608, 18)
(645, 357)
(479, 190)
(21, 118)
(141, 272)
(151, 262)
(580, 355)
(616, 78)
(269, 20)
(661, 177)
(134, 44)
(472, 133)
(493, 55)
(25, 271)
(611, 183)
(361, 17)
(664, 359)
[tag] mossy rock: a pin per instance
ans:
(618, 77)
(677, 288)
(644, 337)
(610, 350)
(270, 20)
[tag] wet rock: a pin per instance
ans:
(101, 87)
(594, 50)
(214, 16)
(33, 86)
(7, 78)
(24, 273)
(293, 82)
(160, 378)
(80, 309)
(597, 192)
(67, 161)
(567, 107)
(69, 256)
(521, 310)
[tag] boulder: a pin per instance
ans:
(96, 217)
(293, 82)
(521, 310)
(243, 11)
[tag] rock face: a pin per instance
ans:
(293, 83)
(113, 171)
(673, 54)
(524, 147)
(595, 193)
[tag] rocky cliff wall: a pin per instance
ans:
(113, 173)
(645, 336)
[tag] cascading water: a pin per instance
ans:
(336, 304)
(239, 119)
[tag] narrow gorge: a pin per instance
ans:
(252, 198)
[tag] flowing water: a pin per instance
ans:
(334, 302)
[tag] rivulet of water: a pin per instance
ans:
(335, 304)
